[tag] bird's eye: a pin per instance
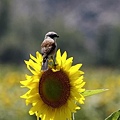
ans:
(53, 35)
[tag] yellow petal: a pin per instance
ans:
(39, 56)
(63, 58)
(34, 65)
(68, 64)
(58, 58)
(33, 58)
(74, 68)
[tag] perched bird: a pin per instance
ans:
(48, 48)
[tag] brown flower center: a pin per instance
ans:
(54, 88)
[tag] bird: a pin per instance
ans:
(48, 48)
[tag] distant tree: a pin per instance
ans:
(108, 41)
(4, 16)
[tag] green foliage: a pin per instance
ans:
(108, 42)
(4, 16)
(93, 92)
(114, 116)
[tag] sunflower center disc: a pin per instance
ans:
(54, 88)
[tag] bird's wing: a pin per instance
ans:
(47, 47)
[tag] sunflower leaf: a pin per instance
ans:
(93, 92)
(114, 116)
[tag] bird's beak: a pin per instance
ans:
(58, 36)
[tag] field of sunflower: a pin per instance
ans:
(96, 107)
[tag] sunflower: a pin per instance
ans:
(55, 93)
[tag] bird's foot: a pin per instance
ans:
(52, 63)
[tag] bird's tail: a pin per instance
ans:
(45, 64)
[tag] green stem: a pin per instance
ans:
(73, 118)
(37, 117)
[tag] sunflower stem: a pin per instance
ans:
(37, 117)
(73, 117)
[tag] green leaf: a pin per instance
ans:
(114, 116)
(93, 92)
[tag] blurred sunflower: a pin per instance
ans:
(56, 92)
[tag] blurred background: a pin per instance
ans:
(89, 31)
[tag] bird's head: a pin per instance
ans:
(52, 35)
